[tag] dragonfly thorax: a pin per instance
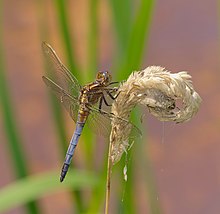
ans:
(90, 94)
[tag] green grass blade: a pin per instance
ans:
(62, 11)
(14, 139)
(92, 40)
(96, 203)
(139, 34)
(137, 39)
(92, 52)
(128, 204)
(132, 60)
(122, 20)
(13, 136)
(34, 187)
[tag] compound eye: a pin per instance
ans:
(99, 75)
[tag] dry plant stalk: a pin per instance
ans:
(158, 90)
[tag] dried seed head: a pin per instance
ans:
(160, 91)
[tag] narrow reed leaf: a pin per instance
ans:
(93, 39)
(62, 11)
(132, 40)
(122, 19)
(35, 187)
(96, 202)
(137, 38)
(14, 138)
(13, 135)
(92, 52)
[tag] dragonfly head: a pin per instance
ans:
(104, 78)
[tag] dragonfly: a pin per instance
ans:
(84, 103)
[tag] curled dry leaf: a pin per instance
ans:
(161, 92)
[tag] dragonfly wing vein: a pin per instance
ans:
(100, 121)
(59, 73)
(70, 103)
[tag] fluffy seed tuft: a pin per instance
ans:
(158, 90)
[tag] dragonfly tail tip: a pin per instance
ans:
(64, 171)
(61, 179)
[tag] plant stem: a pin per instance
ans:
(108, 180)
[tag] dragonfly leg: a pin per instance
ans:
(105, 101)
(113, 83)
(110, 95)
(100, 103)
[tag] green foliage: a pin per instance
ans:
(122, 19)
(62, 12)
(34, 187)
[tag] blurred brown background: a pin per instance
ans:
(185, 157)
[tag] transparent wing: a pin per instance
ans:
(70, 103)
(100, 122)
(59, 74)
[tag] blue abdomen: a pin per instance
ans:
(71, 149)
